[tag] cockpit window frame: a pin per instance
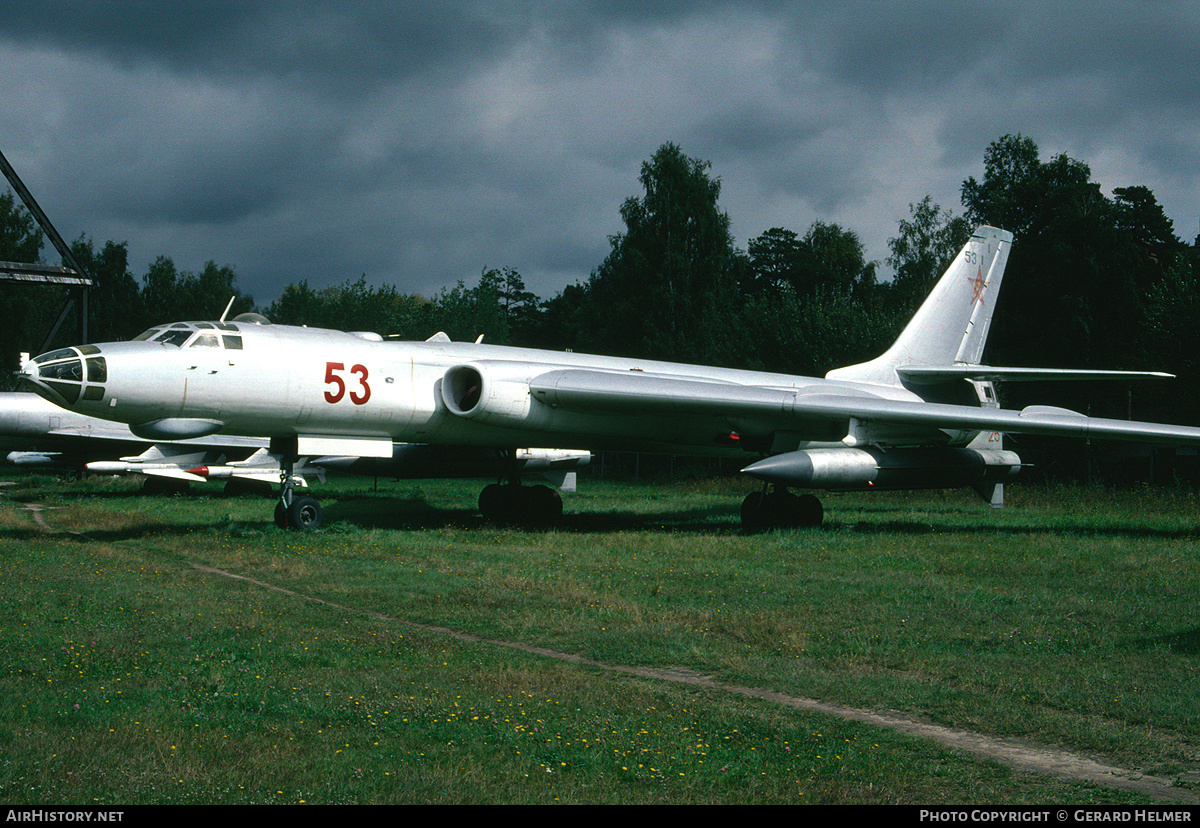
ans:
(54, 356)
(179, 334)
(66, 370)
(97, 369)
(175, 337)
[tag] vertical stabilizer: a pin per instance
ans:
(952, 323)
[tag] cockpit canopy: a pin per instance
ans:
(195, 335)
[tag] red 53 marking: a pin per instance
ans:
(360, 391)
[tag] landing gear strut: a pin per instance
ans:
(293, 512)
(508, 502)
(778, 508)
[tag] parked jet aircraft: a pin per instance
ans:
(922, 415)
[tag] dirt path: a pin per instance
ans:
(1018, 754)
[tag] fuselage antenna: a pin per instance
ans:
(227, 307)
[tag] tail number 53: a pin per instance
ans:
(358, 395)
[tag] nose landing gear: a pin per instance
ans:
(292, 512)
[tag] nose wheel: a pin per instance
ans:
(292, 512)
(303, 513)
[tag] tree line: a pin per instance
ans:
(1092, 281)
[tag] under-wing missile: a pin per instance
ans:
(201, 466)
(153, 462)
(874, 468)
(268, 473)
(126, 467)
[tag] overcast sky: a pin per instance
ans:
(419, 142)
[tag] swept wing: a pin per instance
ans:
(792, 408)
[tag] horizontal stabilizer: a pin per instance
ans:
(936, 374)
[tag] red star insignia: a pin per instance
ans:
(979, 286)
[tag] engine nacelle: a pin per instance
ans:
(474, 391)
(848, 469)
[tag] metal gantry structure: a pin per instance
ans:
(71, 275)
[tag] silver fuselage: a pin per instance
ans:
(277, 381)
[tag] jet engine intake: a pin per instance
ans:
(476, 391)
(848, 469)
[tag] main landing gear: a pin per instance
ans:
(510, 503)
(778, 508)
(292, 512)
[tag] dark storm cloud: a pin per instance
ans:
(311, 43)
(1069, 67)
(417, 143)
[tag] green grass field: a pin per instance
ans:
(132, 673)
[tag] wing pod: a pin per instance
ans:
(847, 469)
(176, 428)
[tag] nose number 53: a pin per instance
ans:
(358, 395)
